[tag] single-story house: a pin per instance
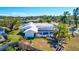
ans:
(2, 38)
(38, 29)
(2, 31)
(3, 35)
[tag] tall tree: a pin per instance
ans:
(65, 16)
(62, 34)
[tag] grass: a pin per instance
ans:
(38, 43)
(10, 48)
(14, 32)
(73, 44)
(13, 37)
(1, 44)
(41, 44)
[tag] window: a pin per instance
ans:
(51, 32)
(45, 33)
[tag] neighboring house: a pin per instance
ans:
(2, 31)
(38, 29)
(54, 23)
(3, 35)
(2, 38)
(76, 32)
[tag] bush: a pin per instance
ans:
(10, 48)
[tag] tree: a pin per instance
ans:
(49, 18)
(45, 18)
(15, 23)
(10, 22)
(65, 17)
(75, 14)
(62, 34)
(40, 20)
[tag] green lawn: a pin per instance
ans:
(13, 37)
(39, 43)
(10, 48)
(14, 32)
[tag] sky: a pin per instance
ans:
(34, 11)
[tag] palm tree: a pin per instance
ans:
(62, 34)
(65, 17)
(75, 14)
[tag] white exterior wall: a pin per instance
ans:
(29, 34)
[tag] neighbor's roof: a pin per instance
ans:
(1, 29)
(54, 23)
(2, 38)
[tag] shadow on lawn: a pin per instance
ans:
(53, 42)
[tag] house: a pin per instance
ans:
(76, 32)
(2, 31)
(2, 38)
(38, 29)
(3, 35)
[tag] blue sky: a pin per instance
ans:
(34, 11)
